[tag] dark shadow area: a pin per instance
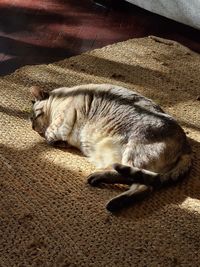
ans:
(15, 112)
(35, 35)
(23, 53)
(13, 19)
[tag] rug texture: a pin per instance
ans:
(49, 216)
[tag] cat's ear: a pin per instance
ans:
(38, 93)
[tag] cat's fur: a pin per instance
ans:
(127, 136)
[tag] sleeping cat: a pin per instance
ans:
(125, 135)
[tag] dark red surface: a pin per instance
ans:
(43, 31)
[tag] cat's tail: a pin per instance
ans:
(153, 179)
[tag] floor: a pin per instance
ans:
(43, 31)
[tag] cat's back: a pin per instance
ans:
(108, 103)
(108, 110)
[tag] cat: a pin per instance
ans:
(128, 137)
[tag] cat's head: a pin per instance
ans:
(39, 117)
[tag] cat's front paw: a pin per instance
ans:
(51, 142)
(60, 144)
(95, 179)
(50, 139)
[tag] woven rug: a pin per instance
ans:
(49, 216)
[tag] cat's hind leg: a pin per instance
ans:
(107, 177)
(122, 175)
(136, 192)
